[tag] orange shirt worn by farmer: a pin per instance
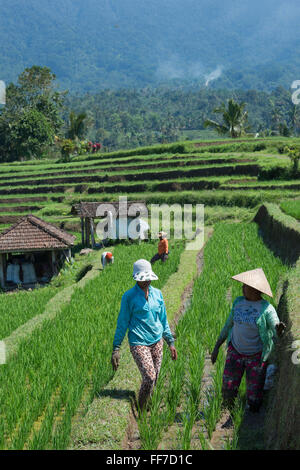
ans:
(107, 258)
(163, 249)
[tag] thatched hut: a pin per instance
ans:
(32, 251)
(124, 214)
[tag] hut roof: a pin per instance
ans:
(89, 209)
(30, 233)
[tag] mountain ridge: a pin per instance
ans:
(96, 44)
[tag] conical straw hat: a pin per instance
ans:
(255, 278)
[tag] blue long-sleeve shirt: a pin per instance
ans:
(145, 320)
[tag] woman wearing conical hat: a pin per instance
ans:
(249, 330)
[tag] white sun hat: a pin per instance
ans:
(142, 271)
(255, 278)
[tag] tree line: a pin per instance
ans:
(39, 120)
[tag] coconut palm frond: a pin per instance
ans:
(234, 119)
(220, 128)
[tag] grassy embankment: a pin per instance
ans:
(282, 432)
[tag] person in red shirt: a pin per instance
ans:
(163, 249)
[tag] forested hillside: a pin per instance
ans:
(127, 118)
(97, 44)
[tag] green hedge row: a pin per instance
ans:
(172, 148)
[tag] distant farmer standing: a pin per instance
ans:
(249, 329)
(143, 313)
(163, 249)
(107, 258)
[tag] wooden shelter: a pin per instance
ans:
(87, 211)
(35, 244)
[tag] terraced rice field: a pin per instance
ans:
(62, 363)
(291, 208)
(183, 415)
(216, 179)
(56, 371)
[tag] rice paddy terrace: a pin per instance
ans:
(58, 382)
(228, 175)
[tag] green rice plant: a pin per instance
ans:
(189, 417)
(237, 415)
(292, 208)
(17, 308)
(233, 248)
(42, 386)
(241, 198)
(214, 399)
(136, 164)
(158, 149)
(203, 441)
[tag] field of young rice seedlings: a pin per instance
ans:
(291, 208)
(17, 308)
(68, 359)
(178, 397)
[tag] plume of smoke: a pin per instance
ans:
(213, 75)
(2, 92)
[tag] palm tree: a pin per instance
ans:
(276, 117)
(76, 125)
(234, 119)
(295, 118)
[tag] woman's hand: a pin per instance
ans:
(173, 353)
(214, 354)
(280, 327)
(115, 359)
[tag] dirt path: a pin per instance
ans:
(132, 438)
(110, 422)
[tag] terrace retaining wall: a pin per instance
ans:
(280, 231)
(252, 170)
(107, 166)
(282, 430)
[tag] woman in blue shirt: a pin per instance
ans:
(143, 314)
